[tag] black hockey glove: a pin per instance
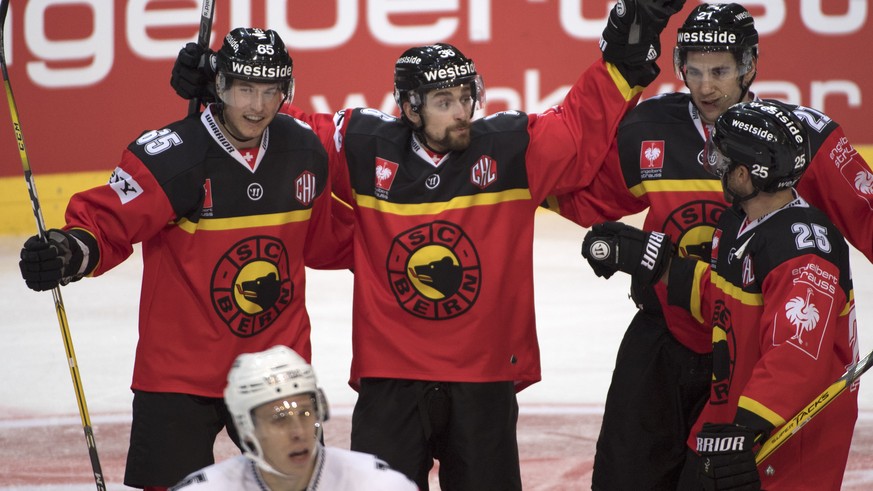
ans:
(193, 74)
(632, 37)
(55, 260)
(614, 246)
(727, 461)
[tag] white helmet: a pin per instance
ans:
(259, 378)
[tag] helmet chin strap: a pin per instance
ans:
(736, 199)
(253, 451)
(224, 127)
(219, 109)
(263, 465)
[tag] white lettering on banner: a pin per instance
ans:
(819, 91)
(95, 53)
(97, 48)
(380, 11)
(578, 26)
(329, 37)
(818, 22)
(137, 32)
(811, 15)
(499, 98)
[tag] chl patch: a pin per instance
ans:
(434, 271)
(251, 285)
(484, 172)
(305, 188)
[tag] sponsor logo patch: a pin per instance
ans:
(385, 173)
(124, 185)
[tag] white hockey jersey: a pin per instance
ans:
(335, 470)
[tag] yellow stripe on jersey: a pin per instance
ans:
(238, 223)
(458, 203)
(849, 304)
(695, 309)
(621, 84)
(671, 185)
(735, 292)
(761, 410)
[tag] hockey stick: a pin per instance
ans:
(814, 407)
(56, 292)
(206, 14)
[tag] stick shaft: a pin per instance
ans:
(56, 292)
(792, 426)
(207, 12)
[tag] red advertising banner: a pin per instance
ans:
(89, 76)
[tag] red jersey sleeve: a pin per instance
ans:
(570, 142)
(129, 209)
(840, 183)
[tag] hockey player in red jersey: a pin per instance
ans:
(279, 411)
(443, 316)
(662, 373)
(229, 206)
(777, 293)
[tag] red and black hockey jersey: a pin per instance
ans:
(224, 244)
(778, 296)
(656, 163)
(444, 251)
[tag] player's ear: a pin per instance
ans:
(413, 116)
(751, 74)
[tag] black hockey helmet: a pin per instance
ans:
(717, 27)
(438, 66)
(254, 55)
(764, 136)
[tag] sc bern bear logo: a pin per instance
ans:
(434, 271)
(251, 285)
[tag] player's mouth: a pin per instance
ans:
(299, 456)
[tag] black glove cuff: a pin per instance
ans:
(93, 256)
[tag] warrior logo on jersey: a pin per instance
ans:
(801, 324)
(692, 225)
(483, 172)
(723, 354)
(434, 271)
(251, 285)
(385, 173)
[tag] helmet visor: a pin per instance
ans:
(244, 94)
(715, 162)
(296, 412)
